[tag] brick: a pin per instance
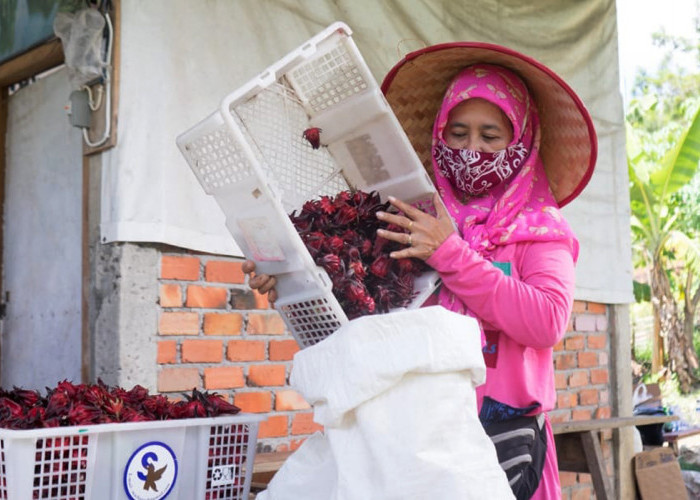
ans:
(170, 295)
(556, 416)
(167, 352)
(283, 350)
(290, 400)
(582, 493)
(565, 361)
(600, 376)
(224, 377)
(574, 343)
(585, 323)
(584, 478)
(178, 323)
(597, 341)
(581, 414)
(604, 397)
(559, 346)
(603, 412)
(578, 378)
(253, 402)
(560, 380)
(179, 268)
(211, 297)
(601, 323)
(294, 444)
(567, 478)
(243, 299)
(578, 307)
(566, 400)
(202, 351)
(267, 375)
(303, 423)
(588, 397)
(178, 379)
(587, 359)
(597, 308)
(220, 271)
(265, 324)
(274, 426)
(245, 350)
(603, 358)
(223, 323)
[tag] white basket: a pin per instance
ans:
(191, 459)
(251, 156)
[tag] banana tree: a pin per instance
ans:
(654, 177)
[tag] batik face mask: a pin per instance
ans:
(476, 172)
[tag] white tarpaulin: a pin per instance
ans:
(396, 396)
(180, 58)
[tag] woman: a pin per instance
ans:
(511, 143)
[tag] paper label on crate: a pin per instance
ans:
(259, 235)
(223, 475)
(150, 472)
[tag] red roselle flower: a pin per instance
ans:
(381, 265)
(334, 244)
(313, 135)
(365, 279)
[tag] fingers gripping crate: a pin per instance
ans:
(191, 459)
(252, 157)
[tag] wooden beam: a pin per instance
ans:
(596, 465)
(31, 63)
(85, 334)
(599, 424)
(4, 94)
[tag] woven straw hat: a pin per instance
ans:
(416, 85)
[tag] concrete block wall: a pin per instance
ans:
(582, 374)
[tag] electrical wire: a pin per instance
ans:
(107, 92)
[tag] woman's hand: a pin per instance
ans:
(425, 232)
(263, 283)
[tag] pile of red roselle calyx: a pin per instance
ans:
(340, 233)
(84, 404)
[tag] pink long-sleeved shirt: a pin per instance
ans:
(523, 315)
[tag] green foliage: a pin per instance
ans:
(663, 154)
(642, 291)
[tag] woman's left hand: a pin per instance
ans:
(425, 232)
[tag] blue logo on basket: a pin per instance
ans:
(151, 472)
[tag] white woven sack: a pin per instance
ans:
(395, 393)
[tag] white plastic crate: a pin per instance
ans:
(190, 459)
(252, 157)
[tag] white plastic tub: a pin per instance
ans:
(251, 155)
(190, 459)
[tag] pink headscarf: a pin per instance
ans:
(521, 208)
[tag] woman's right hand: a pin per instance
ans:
(263, 283)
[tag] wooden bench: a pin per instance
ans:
(578, 446)
(577, 443)
(265, 466)
(672, 438)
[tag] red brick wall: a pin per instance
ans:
(216, 334)
(582, 378)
